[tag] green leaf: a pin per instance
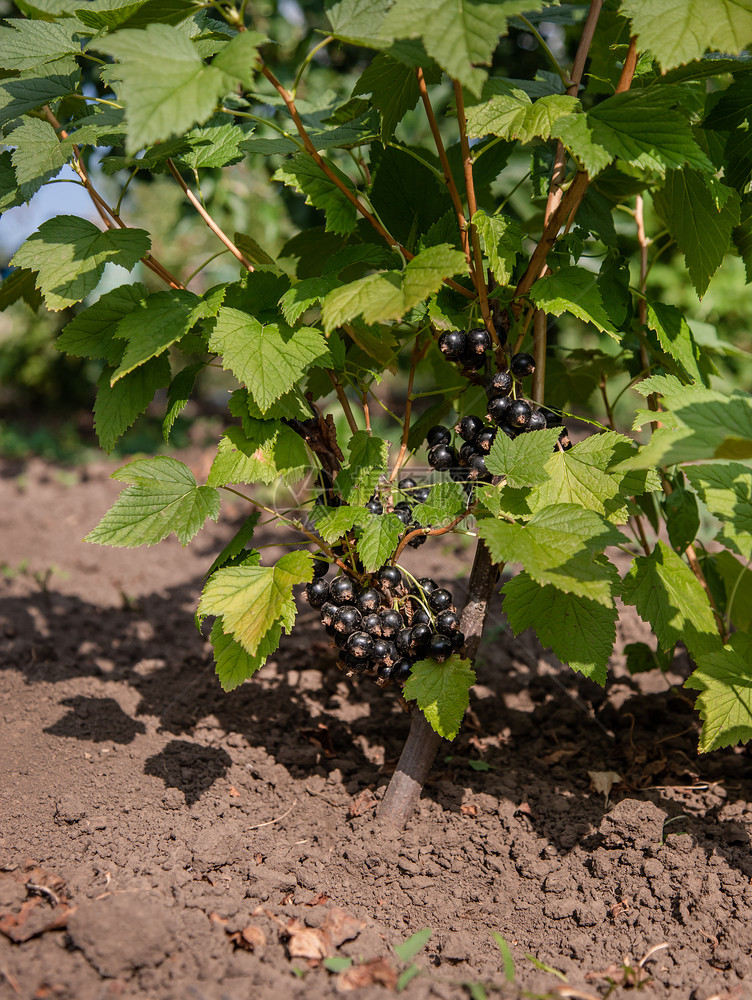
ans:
(304, 175)
(358, 479)
(682, 518)
(523, 460)
(37, 86)
(641, 658)
(704, 234)
(676, 31)
(38, 156)
(304, 295)
(675, 337)
(411, 946)
(268, 358)
(272, 453)
(214, 144)
(724, 679)
(162, 497)
(574, 290)
(91, 334)
(26, 44)
(581, 632)
(239, 59)
(512, 115)
(394, 88)
(501, 240)
(577, 136)
(116, 407)
(337, 963)
(233, 664)
(253, 251)
(669, 597)
(19, 285)
(388, 295)
(726, 491)
(155, 324)
(179, 394)
(70, 253)
(406, 194)
(458, 34)
(506, 955)
(737, 580)
(236, 547)
(442, 692)
(558, 546)
(378, 540)
(333, 523)
(357, 19)
(445, 501)
(10, 195)
(250, 599)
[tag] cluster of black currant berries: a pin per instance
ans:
(507, 412)
(412, 494)
(384, 627)
(468, 349)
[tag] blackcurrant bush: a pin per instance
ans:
(372, 625)
(458, 640)
(476, 467)
(448, 622)
(408, 483)
(389, 577)
(385, 671)
(500, 384)
(402, 640)
(478, 341)
(485, 439)
(342, 591)
(468, 427)
(327, 612)
(498, 407)
(320, 568)
(391, 623)
(375, 506)
(439, 647)
(442, 457)
(421, 637)
(453, 344)
(522, 365)
(438, 435)
(422, 494)
(401, 669)
(347, 620)
(518, 414)
(360, 644)
(439, 600)
(317, 593)
(369, 600)
(537, 421)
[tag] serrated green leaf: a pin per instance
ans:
(117, 407)
(25, 44)
(304, 295)
(388, 295)
(524, 459)
(378, 540)
(580, 632)
(682, 518)
(250, 599)
(179, 394)
(272, 452)
(333, 523)
(576, 134)
(162, 497)
(641, 658)
(358, 478)
(737, 580)
(110, 14)
(20, 284)
(442, 692)
(407, 196)
(574, 290)
(410, 947)
(91, 334)
(254, 251)
(704, 234)
(444, 503)
(675, 337)
(304, 175)
(724, 678)
(38, 86)
(394, 89)
(511, 114)
(232, 663)
(501, 240)
(70, 253)
(669, 597)
(236, 547)
(214, 144)
(676, 31)
(155, 324)
(10, 195)
(726, 490)
(269, 358)
(357, 19)
(38, 155)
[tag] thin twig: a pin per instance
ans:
(270, 822)
(417, 353)
(428, 531)
(344, 401)
(642, 305)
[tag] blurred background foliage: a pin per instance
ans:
(46, 397)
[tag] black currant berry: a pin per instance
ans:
(320, 568)
(340, 639)
(421, 617)
(427, 585)
(421, 637)
(417, 540)
(357, 664)
(522, 365)
(327, 612)
(452, 344)
(372, 625)
(438, 435)
(347, 620)
(466, 451)
(369, 600)
(474, 362)
(375, 506)
(408, 483)
(391, 623)
(317, 593)
(342, 591)
(439, 600)
(564, 439)
(537, 421)
(440, 647)
(402, 640)
(448, 622)
(553, 419)
(477, 467)
(458, 640)
(360, 644)
(478, 341)
(401, 669)
(404, 505)
(442, 457)
(500, 384)
(468, 427)
(422, 494)
(498, 407)
(384, 651)
(518, 414)
(405, 515)
(385, 671)
(389, 577)
(485, 439)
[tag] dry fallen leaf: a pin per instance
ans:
(604, 781)
(377, 972)
(251, 938)
(310, 943)
(341, 926)
(362, 802)
(234, 792)
(318, 900)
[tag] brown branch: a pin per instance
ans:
(344, 401)
(428, 531)
(219, 233)
(540, 344)
(417, 353)
(642, 305)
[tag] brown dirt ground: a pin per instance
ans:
(162, 839)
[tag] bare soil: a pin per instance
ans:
(162, 839)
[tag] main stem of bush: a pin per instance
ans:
(422, 742)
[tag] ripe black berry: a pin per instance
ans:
(317, 593)
(404, 505)
(340, 639)
(452, 344)
(389, 577)
(327, 612)
(355, 663)
(498, 407)
(375, 506)
(360, 644)
(369, 599)
(408, 483)
(500, 384)
(426, 584)
(417, 540)
(442, 457)
(440, 647)
(537, 421)
(342, 591)
(458, 640)
(448, 622)
(402, 640)
(564, 439)
(384, 651)
(401, 669)
(474, 361)
(485, 439)
(477, 467)
(439, 600)
(385, 671)
(478, 341)
(347, 620)
(468, 427)
(467, 449)
(421, 617)
(422, 494)
(320, 568)
(553, 419)
(522, 365)
(421, 637)
(404, 514)
(438, 435)
(518, 414)
(391, 623)
(372, 625)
